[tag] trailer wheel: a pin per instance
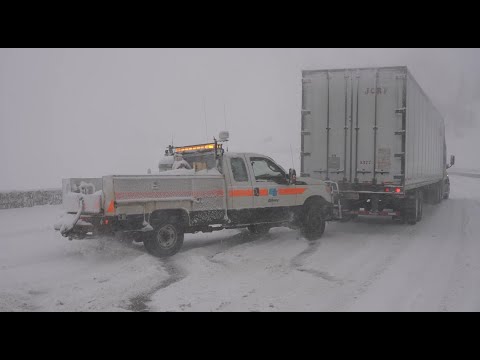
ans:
(437, 194)
(165, 240)
(412, 210)
(259, 229)
(314, 222)
(419, 206)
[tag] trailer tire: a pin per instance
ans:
(165, 240)
(259, 229)
(420, 207)
(314, 222)
(412, 210)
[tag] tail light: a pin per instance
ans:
(395, 190)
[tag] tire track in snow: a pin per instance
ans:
(140, 302)
(349, 297)
(175, 273)
(234, 241)
(455, 282)
(297, 262)
(16, 303)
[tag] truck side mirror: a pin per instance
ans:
(292, 176)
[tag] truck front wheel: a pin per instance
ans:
(165, 240)
(314, 222)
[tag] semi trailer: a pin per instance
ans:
(377, 138)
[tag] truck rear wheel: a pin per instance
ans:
(314, 222)
(165, 240)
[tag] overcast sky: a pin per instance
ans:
(93, 112)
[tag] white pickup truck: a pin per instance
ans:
(222, 190)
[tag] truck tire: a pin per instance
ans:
(259, 229)
(165, 240)
(313, 223)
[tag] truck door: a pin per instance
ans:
(272, 195)
(240, 191)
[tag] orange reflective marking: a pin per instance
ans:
(111, 207)
(291, 191)
(240, 192)
(264, 192)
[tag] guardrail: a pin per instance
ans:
(19, 199)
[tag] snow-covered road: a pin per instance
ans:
(368, 265)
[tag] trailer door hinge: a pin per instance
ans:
(364, 172)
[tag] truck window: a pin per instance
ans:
(266, 170)
(239, 170)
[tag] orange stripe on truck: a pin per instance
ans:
(291, 191)
(240, 192)
(264, 192)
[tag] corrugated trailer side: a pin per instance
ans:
(351, 124)
(376, 134)
(425, 156)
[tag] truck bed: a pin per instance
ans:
(125, 195)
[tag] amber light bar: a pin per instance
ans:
(197, 147)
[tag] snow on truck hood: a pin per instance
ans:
(310, 181)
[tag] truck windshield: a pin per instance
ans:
(266, 170)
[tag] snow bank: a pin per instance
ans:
(20, 199)
(367, 265)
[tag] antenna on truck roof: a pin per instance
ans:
(225, 115)
(205, 116)
(291, 153)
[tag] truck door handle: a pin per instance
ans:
(256, 191)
